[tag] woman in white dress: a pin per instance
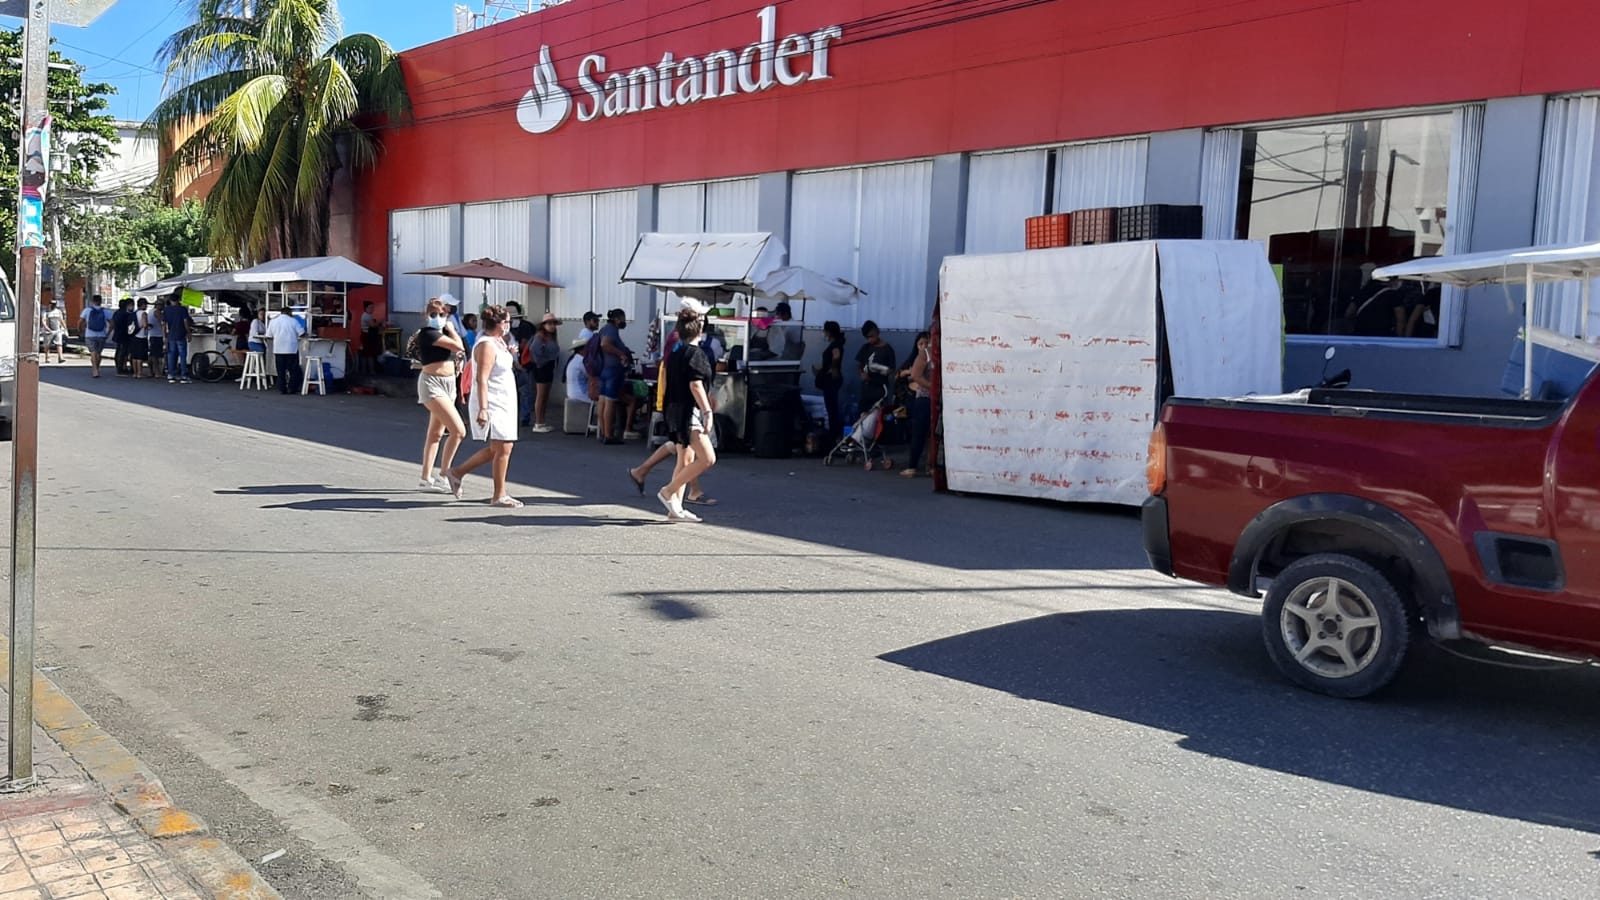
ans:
(493, 406)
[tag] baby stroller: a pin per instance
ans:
(860, 443)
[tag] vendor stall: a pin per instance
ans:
(721, 270)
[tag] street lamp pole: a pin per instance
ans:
(35, 142)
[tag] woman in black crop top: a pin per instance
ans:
(438, 347)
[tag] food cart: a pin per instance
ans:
(314, 288)
(720, 270)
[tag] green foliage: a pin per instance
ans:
(282, 97)
(84, 133)
(135, 231)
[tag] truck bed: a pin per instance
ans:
(1491, 411)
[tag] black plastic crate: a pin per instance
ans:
(1159, 222)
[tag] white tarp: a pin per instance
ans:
(1224, 321)
(1049, 372)
(312, 268)
(1050, 369)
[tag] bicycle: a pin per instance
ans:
(214, 365)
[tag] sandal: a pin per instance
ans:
(701, 500)
(455, 483)
(637, 482)
(507, 503)
(908, 473)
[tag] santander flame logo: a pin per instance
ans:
(545, 107)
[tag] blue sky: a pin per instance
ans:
(120, 47)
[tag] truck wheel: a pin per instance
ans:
(1336, 625)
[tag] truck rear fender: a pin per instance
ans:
(1340, 523)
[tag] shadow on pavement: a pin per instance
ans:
(675, 610)
(799, 499)
(1512, 743)
(356, 504)
(528, 521)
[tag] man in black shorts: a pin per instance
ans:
(689, 414)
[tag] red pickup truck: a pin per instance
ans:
(1373, 520)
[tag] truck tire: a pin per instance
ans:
(1336, 625)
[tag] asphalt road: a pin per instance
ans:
(842, 685)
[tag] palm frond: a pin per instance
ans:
(241, 119)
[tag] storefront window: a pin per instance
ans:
(1332, 202)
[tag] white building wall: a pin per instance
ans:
(499, 231)
(1003, 189)
(419, 239)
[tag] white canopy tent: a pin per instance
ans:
(1528, 266)
(704, 265)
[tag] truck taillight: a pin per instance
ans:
(1155, 466)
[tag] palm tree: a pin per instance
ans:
(273, 91)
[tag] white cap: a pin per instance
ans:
(448, 299)
(695, 306)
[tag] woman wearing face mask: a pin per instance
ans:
(437, 348)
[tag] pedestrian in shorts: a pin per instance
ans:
(689, 414)
(95, 323)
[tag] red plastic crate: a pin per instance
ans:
(1043, 232)
(1094, 226)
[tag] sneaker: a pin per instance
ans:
(172, 381)
(435, 486)
(542, 429)
(631, 435)
(674, 512)
(184, 381)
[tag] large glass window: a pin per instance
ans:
(1333, 201)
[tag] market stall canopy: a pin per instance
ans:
(1568, 262)
(801, 283)
(487, 270)
(333, 269)
(704, 263)
(1529, 266)
(166, 286)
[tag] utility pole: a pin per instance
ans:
(34, 168)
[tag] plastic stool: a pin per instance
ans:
(255, 370)
(313, 376)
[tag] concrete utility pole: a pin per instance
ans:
(34, 169)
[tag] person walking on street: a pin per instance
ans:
(543, 355)
(919, 376)
(179, 325)
(284, 331)
(123, 326)
(616, 358)
(55, 332)
(830, 377)
(438, 347)
(492, 407)
(95, 323)
(689, 415)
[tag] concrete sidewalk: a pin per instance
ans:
(99, 825)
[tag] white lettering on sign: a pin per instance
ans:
(768, 63)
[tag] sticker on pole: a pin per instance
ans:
(35, 184)
(62, 12)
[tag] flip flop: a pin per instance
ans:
(636, 482)
(701, 500)
(455, 484)
(507, 503)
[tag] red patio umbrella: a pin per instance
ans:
(487, 270)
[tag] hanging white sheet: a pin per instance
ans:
(1049, 372)
(1224, 332)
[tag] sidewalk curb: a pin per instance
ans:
(139, 794)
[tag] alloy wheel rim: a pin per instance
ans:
(1331, 628)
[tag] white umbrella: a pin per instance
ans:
(801, 283)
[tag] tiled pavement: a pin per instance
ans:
(92, 852)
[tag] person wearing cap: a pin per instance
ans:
(616, 358)
(450, 313)
(543, 355)
(579, 388)
(591, 326)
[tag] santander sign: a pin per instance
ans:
(768, 63)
